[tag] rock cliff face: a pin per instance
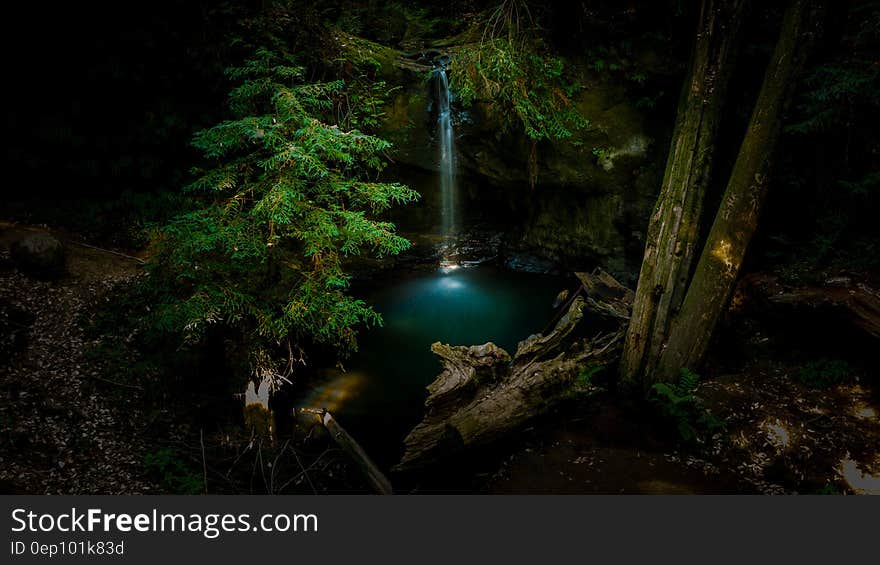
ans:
(593, 195)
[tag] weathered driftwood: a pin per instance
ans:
(377, 479)
(482, 394)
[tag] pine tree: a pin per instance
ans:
(288, 196)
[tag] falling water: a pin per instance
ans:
(447, 155)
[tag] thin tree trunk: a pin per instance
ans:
(374, 476)
(737, 218)
(674, 226)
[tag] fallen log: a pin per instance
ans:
(482, 394)
(377, 479)
(860, 305)
(848, 300)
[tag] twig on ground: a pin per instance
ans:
(204, 460)
(132, 257)
(240, 455)
(314, 491)
(301, 473)
(108, 381)
(274, 471)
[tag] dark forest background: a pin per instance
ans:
(102, 100)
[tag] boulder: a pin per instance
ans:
(39, 255)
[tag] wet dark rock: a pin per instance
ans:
(470, 248)
(39, 255)
(527, 263)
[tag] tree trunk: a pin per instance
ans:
(481, 395)
(674, 227)
(716, 273)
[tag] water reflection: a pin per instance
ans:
(450, 283)
(334, 391)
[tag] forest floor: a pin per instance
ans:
(779, 437)
(785, 430)
(75, 421)
(67, 426)
(62, 433)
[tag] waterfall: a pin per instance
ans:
(447, 155)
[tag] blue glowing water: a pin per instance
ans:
(381, 394)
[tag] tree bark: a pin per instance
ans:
(674, 226)
(737, 218)
(481, 395)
